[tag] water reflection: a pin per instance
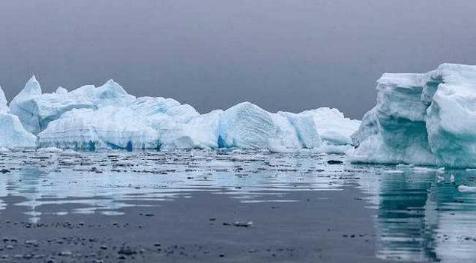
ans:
(106, 182)
(419, 213)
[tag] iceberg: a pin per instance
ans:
(423, 119)
(12, 132)
(107, 117)
(36, 109)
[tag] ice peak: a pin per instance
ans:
(113, 86)
(61, 90)
(2, 96)
(32, 87)
(3, 101)
(246, 104)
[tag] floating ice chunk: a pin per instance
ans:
(4, 149)
(394, 131)
(440, 178)
(108, 117)
(420, 169)
(334, 148)
(424, 119)
(394, 172)
(49, 150)
(467, 189)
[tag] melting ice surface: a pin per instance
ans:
(421, 213)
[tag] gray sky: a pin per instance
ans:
(280, 54)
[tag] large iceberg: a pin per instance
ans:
(107, 117)
(12, 132)
(424, 119)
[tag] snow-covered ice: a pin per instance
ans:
(91, 118)
(424, 119)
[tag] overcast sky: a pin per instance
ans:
(280, 54)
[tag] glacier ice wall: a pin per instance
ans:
(107, 117)
(425, 119)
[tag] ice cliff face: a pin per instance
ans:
(91, 118)
(248, 126)
(427, 119)
(12, 132)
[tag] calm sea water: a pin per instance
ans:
(420, 213)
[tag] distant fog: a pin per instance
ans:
(280, 54)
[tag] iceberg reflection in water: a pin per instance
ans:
(419, 213)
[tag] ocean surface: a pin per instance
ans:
(235, 205)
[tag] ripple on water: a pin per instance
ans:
(422, 214)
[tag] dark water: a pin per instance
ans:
(420, 214)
